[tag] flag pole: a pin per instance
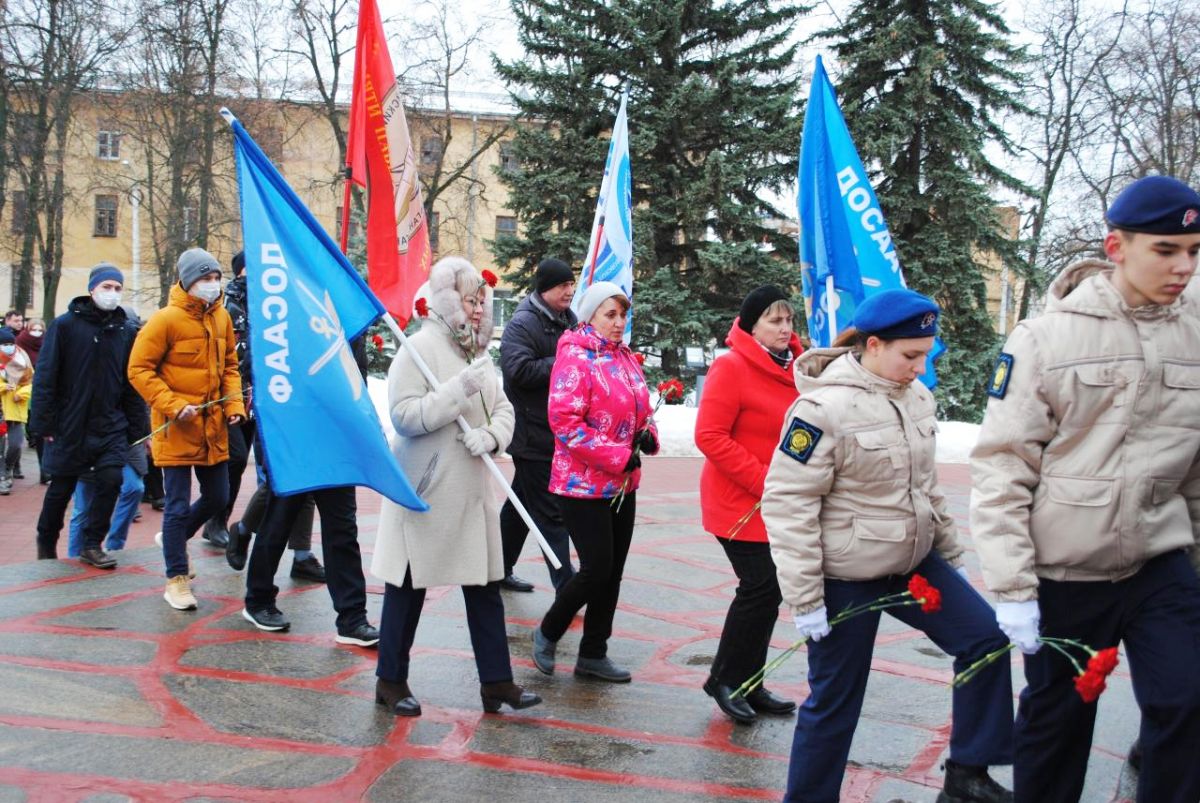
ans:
(831, 301)
(423, 367)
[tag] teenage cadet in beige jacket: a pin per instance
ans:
(852, 510)
(1087, 495)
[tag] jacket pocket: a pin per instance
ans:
(1163, 489)
(1076, 525)
(1098, 393)
(1181, 394)
(879, 450)
(877, 547)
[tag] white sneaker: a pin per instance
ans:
(179, 594)
(158, 540)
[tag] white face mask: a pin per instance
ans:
(8, 348)
(35, 333)
(207, 290)
(107, 300)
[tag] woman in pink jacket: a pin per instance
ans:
(599, 412)
(746, 395)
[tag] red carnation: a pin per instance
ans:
(1104, 662)
(490, 278)
(422, 308)
(670, 390)
(929, 597)
(641, 358)
(1090, 685)
(378, 341)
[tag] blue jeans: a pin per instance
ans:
(182, 517)
(118, 530)
(981, 730)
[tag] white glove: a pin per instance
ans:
(813, 625)
(962, 571)
(478, 442)
(1019, 621)
(475, 375)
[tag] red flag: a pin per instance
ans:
(380, 159)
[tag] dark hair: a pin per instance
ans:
(853, 338)
(13, 312)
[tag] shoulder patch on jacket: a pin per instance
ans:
(1000, 375)
(800, 440)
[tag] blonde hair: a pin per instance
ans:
(782, 305)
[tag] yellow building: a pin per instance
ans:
(112, 213)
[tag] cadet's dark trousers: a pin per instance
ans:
(752, 614)
(531, 481)
(1157, 614)
(339, 545)
(838, 666)
(485, 620)
(602, 535)
(107, 485)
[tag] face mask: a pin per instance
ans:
(107, 300)
(8, 348)
(206, 291)
(35, 333)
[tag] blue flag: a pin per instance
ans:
(610, 249)
(305, 303)
(846, 250)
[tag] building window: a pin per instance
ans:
(17, 200)
(431, 150)
(435, 221)
(106, 216)
(503, 306)
(355, 227)
(108, 145)
(25, 134)
(506, 226)
(509, 163)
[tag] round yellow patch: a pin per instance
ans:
(800, 441)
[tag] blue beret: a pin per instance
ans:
(1156, 205)
(102, 273)
(894, 314)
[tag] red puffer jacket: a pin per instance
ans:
(746, 395)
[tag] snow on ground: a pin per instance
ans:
(677, 423)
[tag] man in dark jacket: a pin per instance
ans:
(527, 352)
(86, 411)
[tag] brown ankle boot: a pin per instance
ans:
(397, 698)
(493, 694)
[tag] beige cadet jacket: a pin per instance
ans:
(861, 502)
(1087, 467)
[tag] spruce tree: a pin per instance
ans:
(713, 122)
(923, 84)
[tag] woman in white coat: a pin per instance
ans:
(458, 541)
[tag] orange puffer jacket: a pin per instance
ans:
(185, 354)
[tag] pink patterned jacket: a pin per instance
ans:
(598, 403)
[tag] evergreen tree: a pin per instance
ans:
(922, 86)
(713, 122)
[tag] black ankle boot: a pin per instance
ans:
(396, 697)
(493, 694)
(47, 552)
(215, 532)
(969, 784)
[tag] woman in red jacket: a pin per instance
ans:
(746, 394)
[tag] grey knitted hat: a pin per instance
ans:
(194, 264)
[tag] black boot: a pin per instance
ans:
(238, 546)
(1135, 755)
(397, 698)
(968, 784)
(47, 552)
(215, 532)
(493, 694)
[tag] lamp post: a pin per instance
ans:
(135, 262)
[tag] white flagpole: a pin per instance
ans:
(831, 300)
(423, 367)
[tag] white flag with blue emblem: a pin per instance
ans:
(305, 304)
(610, 250)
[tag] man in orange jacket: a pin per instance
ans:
(184, 363)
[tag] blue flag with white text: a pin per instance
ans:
(845, 245)
(610, 249)
(306, 303)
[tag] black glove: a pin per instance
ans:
(646, 442)
(635, 462)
